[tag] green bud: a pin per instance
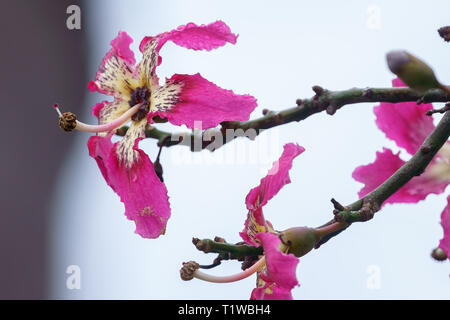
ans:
(300, 240)
(438, 254)
(415, 73)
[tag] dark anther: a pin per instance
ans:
(68, 121)
(139, 95)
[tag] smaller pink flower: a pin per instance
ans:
(407, 125)
(277, 268)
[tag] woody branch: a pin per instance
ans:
(323, 100)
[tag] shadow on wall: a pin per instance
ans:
(43, 62)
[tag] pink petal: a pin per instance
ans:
(144, 195)
(186, 99)
(386, 163)
(276, 178)
(271, 293)
(100, 149)
(122, 46)
(107, 111)
(281, 268)
(269, 186)
(195, 37)
(406, 122)
(116, 69)
(190, 36)
(444, 244)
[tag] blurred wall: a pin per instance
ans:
(42, 62)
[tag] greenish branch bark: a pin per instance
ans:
(232, 251)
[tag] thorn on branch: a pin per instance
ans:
(188, 270)
(332, 108)
(368, 93)
(337, 205)
(219, 239)
(426, 149)
(318, 90)
(444, 33)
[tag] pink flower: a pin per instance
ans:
(407, 125)
(138, 97)
(278, 278)
(277, 268)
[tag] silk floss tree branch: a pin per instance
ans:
(323, 100)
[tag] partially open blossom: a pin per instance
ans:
(278, 278)
(407, 124)
(277, 268)
(138, 98)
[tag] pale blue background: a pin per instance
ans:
(284, 47)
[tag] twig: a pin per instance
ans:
(323, 100)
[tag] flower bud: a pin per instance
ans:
(300, 240)
(438, 254)
(415, 73)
